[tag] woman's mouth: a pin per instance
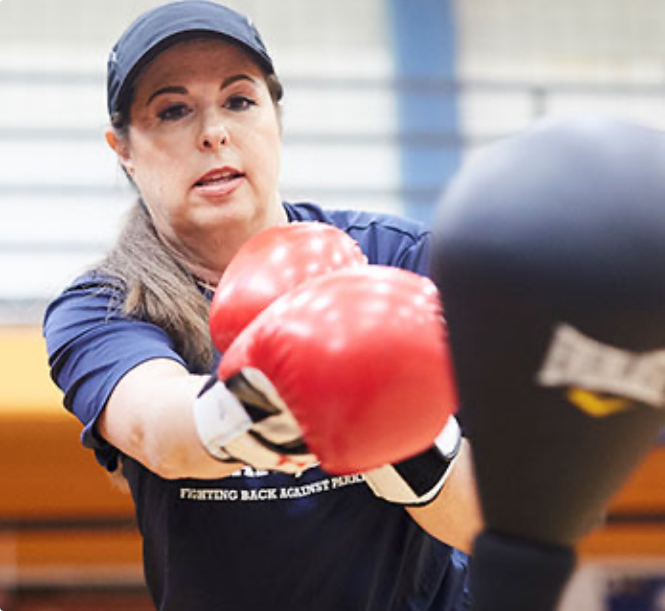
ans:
(219, 182)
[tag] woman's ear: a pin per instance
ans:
(121, 148)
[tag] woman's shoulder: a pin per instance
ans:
(386, 239)
(89, 297)
(91, 284)
(91, 289)
(356, 220)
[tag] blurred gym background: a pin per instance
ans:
(384, 101)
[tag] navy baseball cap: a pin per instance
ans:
(161, 27)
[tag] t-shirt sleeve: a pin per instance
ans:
(416, 256)
(91, 346)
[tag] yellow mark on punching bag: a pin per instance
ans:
(596, 405)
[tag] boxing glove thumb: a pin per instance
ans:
(268, 265)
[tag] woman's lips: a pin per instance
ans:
(219, 182)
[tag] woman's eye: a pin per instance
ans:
(239, 102)
(173, 112)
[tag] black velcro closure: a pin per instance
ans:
(424, 471)
(295, 447)
(256, 404)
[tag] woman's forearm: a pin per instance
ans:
(149, 417)
(454, 516)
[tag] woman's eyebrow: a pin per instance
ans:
(183, 90)
(236, 77)
(169, 89)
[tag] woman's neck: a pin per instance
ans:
(208, 270)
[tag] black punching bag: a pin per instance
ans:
(550, 256)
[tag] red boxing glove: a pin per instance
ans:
(360, 358)
(271, 263)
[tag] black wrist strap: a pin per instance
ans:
(424, 471)
(254, 401)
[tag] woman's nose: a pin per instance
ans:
(213, 132)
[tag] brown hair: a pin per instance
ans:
(159, 288)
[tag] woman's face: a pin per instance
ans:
(203, 148)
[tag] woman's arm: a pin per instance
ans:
(454, 516)
(149, 417)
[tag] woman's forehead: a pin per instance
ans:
(197, 55)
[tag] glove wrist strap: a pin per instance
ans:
(245, 420)
(418, 480)
(219, 418)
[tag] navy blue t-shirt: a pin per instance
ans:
(255, 540)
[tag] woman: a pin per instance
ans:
(195, 123)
